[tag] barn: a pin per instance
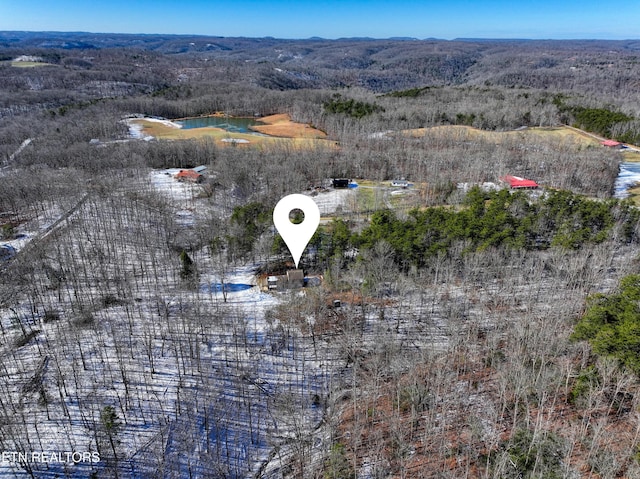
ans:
(611, 144)
(516, 182)
(190, 176)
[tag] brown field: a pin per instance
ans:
(564, 133)
(634, 194)
(282, 126)
(631, 155)
(468, 132)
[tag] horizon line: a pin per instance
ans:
(320, 38)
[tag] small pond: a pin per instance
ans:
(234, 125)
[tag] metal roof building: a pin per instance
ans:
(516, 182)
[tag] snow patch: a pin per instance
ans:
(165, 182)
(331, 201)
(628, 177)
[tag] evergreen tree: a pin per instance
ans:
(611, 323)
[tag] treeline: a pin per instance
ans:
(606, 122)
(140, 81)
(611, 323)
(484, 220)
(598, 120)
(178, 65)
(350, 107)
(500, 219)
(75, 78)
(378, 64)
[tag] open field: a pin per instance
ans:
(375, 195)
(577, 139)
(282, 126)
(561, 133)
(631, 155)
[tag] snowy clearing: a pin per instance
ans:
(334, 200)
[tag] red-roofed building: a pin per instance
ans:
(189, 175)
(515, 182)
(611, 144)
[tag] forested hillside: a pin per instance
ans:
(449, 326)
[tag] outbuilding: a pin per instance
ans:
(341, 182)
(189, 175)
(400, 183)
(516, 182)
(611, 144)
(272, 282)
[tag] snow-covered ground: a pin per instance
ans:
(19, 242)
(185, 193)
(204, 384)
(628, 177)
(334, 200)
(241, 288)
(224, 404)
(35, 228)
(166, 183)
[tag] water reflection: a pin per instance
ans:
(234, 125)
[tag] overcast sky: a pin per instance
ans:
(558, 19)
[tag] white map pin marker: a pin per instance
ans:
(296, 237)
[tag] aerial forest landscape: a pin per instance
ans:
(468, 307)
